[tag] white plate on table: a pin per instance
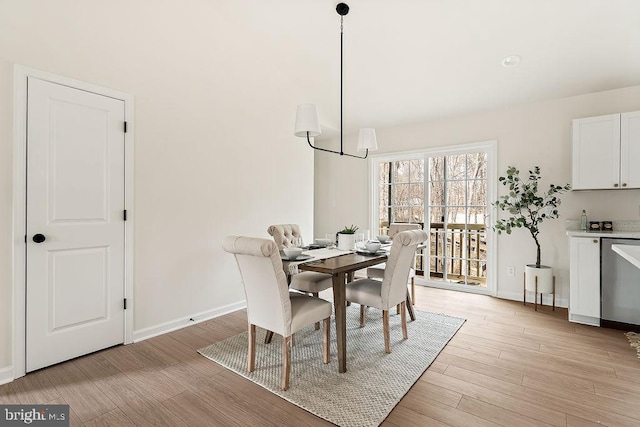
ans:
(297, 258)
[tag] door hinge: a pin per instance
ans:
(125, 127)
(25, 238)
(124, 214)
(125, 303)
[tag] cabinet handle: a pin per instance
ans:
(615, 185)
(624, 184)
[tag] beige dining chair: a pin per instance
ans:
(392, 290)
(270, 305)
(377, 271)
(306, 281)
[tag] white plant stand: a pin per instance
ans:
(539, 281)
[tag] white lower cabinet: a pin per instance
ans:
(584, 280)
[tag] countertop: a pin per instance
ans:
(628, 252)
(613, 234)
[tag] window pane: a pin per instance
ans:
(383, 170)
(400, 195)
(417, 170)
(401, 171)
(436, 193)
(456, 167)
(476, 215)
(417, 214)
(477, 192)
(436, 215)
(477, 165)
(456, 194)
(384, 216)
(400, 214)
(417, 194)
(436, 168)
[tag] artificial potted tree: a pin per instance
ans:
(528, 207)
(347, 238)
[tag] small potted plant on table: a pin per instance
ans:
(528, 207)
(347, 238)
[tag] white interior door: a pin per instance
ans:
(74, 223)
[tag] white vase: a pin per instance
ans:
(346, 242)
(544, 273)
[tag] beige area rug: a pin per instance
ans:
(374, 382)
(634, 340)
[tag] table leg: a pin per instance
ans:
(409, 304)
(341, 319)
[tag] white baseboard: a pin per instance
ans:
(174, 325)
(6, 374)
(546, 299)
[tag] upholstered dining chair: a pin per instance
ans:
(270, 305)
(306, 281)
(377, 271)
(392, 290)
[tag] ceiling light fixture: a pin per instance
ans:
(511, 61)
(307, 121)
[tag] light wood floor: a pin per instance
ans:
(508, 365)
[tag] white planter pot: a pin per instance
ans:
(544, 275)
(346, 242)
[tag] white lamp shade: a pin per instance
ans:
(307, 121)
(367, 139)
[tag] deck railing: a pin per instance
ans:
(465, 251)
(465, 255)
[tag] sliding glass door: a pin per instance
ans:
(457, 212)
(449, 193)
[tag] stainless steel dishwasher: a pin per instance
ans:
(619, 287)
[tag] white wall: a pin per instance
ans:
(537, 134)
(213, 142)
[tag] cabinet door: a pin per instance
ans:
(630, 150)
(584, 280)
(596, 152)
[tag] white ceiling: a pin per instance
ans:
(417, 60)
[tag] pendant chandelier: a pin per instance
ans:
(308, 123)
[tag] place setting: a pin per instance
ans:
(374, 247)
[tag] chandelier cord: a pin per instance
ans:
(341, 31)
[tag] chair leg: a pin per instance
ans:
(398, 309)
(385, 330)
(362, 307)
(403, 317)
(554, 293)
(326, 338)
(315, 294)
(524, 288)
(251, 356)
(286, 362)
(413, 290)
(268, 337)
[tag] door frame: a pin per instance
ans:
(19, 247)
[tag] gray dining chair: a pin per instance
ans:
(270, 305)
(306, 281)
(392, 290)
(377, 271)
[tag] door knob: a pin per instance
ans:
(39, 238)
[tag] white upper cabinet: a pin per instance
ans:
(605, 149)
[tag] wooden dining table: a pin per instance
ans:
(340, 268)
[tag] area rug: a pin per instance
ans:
(374, 382)
(634, 340)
